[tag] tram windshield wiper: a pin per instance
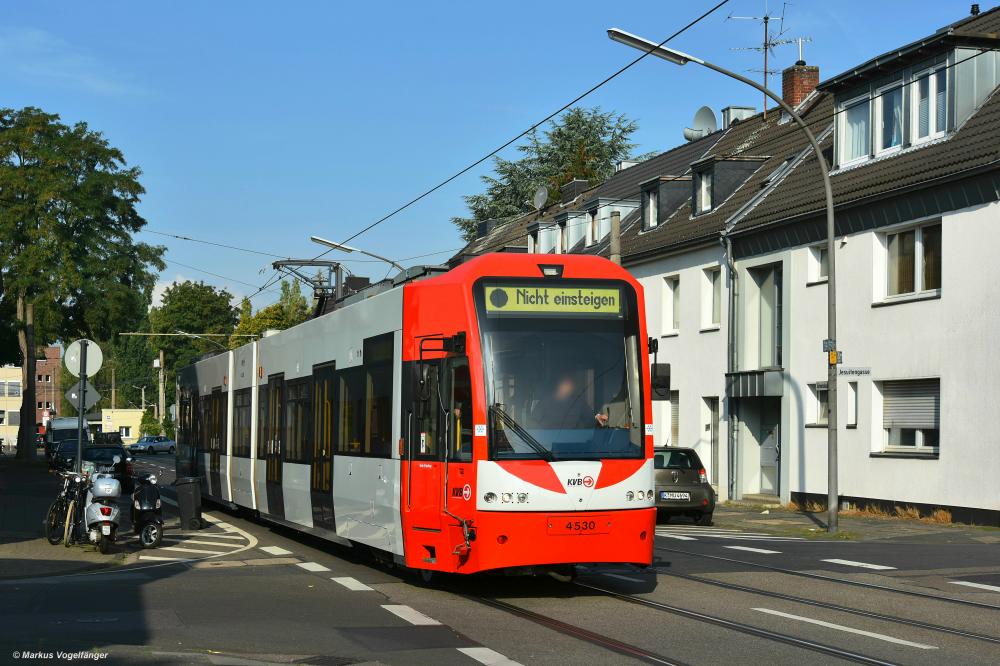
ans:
(521, 432)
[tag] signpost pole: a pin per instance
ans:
(81, 406)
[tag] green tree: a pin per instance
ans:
(581, 144)
(68, 263)
(293, 304)
(291, 309)
(149, 425)
(195, 308)
(168, 426)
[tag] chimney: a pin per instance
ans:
(573, 189)
(975, 9)
(797, 82)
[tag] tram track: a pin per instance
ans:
(835, 607)
(741, 627)
(834, 579)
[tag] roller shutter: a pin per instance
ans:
(911, 404)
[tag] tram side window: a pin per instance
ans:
(241, 425)
(378, 396)
(205, 421)
(351, 432)
(324, 401)
(262, 422)
(460, 431)
(297, 421)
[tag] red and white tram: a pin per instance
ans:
(494, 416)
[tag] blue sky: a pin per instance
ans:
(260, 123)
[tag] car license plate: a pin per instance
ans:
(568, 525)
(664, 495)
(106, 529)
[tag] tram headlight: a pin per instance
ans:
(507, 498)
(649, 494)
(490, 498)
(639, 495)
(629, 496)
(522, 498)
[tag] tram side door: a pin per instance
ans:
(275, 435)
(321, 483)
(425, 453)
(214, 443)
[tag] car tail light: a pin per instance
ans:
(105, 510)
(702, 476)
(128, 469)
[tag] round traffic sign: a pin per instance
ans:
(95, 359)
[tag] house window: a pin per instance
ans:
(889, 118)
(913, 260)
(125, 431)
(38, 378)
(768, 282)
(821, 403)
(13, 418)
(672, 304)
(704, 183)
(819, 264)
(3, 415)
(593, 228)
(563, 246)
(533, 242)
(14, 389)
(911, 415)
(930, 104)
(675, 421)
(852, 404)
(650, 202)
(712, 297)
(39, 405)
(855, 130)
(48, 379)
(3, 389)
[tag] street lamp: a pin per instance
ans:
(830, 345)
(348, 248)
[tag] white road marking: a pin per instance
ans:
(863, 565)
(211, 519)
(163, 559)
(275, 550)
(211, 543)
(981, 586)
(410, 615)
(195, 550)
(679, 537)
(628, 578)
(313, 566)
(206, 535)
(351, 583)
(487, 656)
(840, 627)
(763, 551)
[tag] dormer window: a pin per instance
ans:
(703, 191)
(855, 130)
(650, 208)
(593, 227)
(889, 118)
(930, 104)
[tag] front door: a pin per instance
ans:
(712, 430)
(424, 452)
(275, 437)
(770, 457)
(321, 484)
(215, 442)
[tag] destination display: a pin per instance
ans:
(535, 300)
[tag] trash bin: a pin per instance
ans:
(189, 501)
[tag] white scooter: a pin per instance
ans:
(101, 515)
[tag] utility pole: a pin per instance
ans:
(163, 389)
(114, 391)
(616, 237)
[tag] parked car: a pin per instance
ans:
(153, 444)
(62, 455)
(108, 438)
(103, 457)
(682, 487)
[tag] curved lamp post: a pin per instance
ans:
(679, 58)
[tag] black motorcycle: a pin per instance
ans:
(147, 516)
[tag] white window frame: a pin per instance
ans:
(932, 131)
(918, 260)
(703, 194)
(842, 129)
(820, 416)
(650, 205)
(593, 227)
(816, 264)
(920, 446)
(852, 405)
(125, 431)
(671, 296)
(876, 128)
(562, 239)
(709, 293)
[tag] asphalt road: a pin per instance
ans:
(252, 593)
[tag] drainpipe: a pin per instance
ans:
(731, 358)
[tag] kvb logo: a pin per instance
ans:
(586, 482)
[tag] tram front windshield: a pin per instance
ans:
(562, 384)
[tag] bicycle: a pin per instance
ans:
(56, 524)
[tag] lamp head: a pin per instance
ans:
(652, 48)
(331, 244)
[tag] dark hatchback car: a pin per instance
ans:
(682, 487)
(103, 457)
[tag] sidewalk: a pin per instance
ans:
(787, 522)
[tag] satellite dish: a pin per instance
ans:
(704, 124)
(541, 196)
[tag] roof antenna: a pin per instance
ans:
(770, 41)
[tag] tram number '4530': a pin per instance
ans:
(562, 525)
